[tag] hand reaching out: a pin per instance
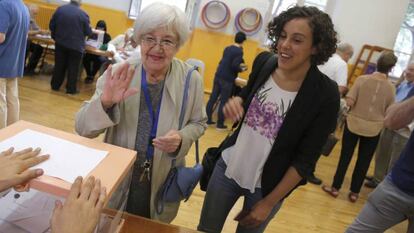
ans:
(82, 208)
(233, 109)
(116, 87)
(14, 168)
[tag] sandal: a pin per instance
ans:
(353, 197)
(331, 190)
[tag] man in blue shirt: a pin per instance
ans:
(392, 142)
(230, 65)
(69, 27)
(393, 200)
(14, 25)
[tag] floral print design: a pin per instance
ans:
(264, 116)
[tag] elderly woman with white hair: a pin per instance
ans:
(138, 107)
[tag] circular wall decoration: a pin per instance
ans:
(215, 14)
(249, 21)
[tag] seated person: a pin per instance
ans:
(34, 49)
(92, 62)
(124, 47)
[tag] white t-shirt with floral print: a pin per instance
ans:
(246, 158)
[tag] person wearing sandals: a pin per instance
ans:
(286, 112)
(392, 201)
(368, 99)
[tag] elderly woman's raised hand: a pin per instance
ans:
(234, 109)
(116, 88)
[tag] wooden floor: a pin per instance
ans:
(307, 210)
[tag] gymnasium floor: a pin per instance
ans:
(307, 210)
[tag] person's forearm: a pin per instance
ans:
(400, 114)
(288, 182)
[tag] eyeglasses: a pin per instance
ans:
(164, 43)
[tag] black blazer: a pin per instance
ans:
(311, 118)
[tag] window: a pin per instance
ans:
(137, 5)
(404, 44)
(320, 4)
(282, 5)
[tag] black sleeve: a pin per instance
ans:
(235, 65)
(316, 135)
(258, 63)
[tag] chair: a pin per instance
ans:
(198, 63)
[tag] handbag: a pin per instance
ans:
(329, 145)
(209, 162)
(180, 181)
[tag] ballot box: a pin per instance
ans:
(70, 155)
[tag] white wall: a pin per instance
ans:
(358, 22)
(263, 6)
(374, 22)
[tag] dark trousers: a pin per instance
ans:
(92, 64)
(367, 146)
(223, 90)
(66, 60)
(35, 52)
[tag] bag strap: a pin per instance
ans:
(184, 106)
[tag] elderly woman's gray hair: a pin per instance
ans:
(159, 15)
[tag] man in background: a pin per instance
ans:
(336, 68)
(34, 49)
(14, 26)
(69, 27)
(230, 65)
(392, 142)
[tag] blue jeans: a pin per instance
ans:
(223, 90)
(222, 194)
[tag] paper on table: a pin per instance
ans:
(67, 159)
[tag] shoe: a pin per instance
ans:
(369, 178)
(221, 127)
(211, 122)
(331, 191)
(371, 184)
(72, 93)
(29, 73)
(353, 197)
(314, 180)
(89, 80)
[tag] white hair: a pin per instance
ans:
(345, 48)
(159, 15)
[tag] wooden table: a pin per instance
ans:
(137, 224)
(240, 82)
(47, 41)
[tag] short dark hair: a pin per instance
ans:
(240, 37)
(324, 36)
(386, 62)
(101, 24)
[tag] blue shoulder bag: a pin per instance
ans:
(180, 181)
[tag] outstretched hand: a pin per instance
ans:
(14, 167)
(82, 208)
(116, 87)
